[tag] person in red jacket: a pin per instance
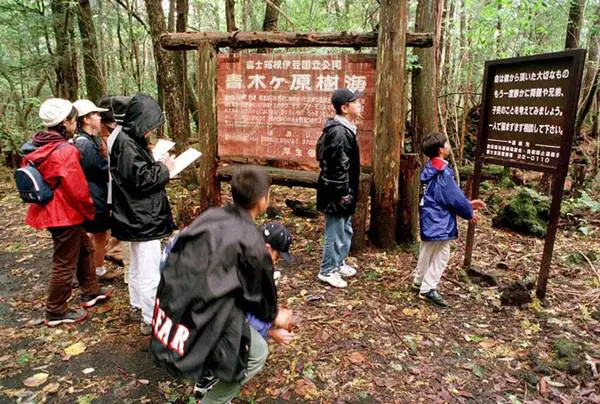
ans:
(64, 215)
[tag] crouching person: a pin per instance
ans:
(71, 205)
(217, 273)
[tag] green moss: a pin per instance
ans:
(526, 213)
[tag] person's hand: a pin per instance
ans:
(474, 219)
(169, 162)
(346, 200)
(284, 319)
(281, 336)
(477, 204)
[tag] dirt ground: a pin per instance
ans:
(372, 342)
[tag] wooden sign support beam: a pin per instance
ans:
(243, 40)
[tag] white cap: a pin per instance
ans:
(85, 107)
(54, 110)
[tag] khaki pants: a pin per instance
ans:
(73, 255)
(225, 391)
(433, 258)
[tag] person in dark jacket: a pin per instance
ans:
(442, 201)
(217, 271)
(92, 150)
(337, 187)
(141, 212)
(64, 214)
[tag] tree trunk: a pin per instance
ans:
(209, 189)
(66, 74)
(171, 16)
(94, 81)
(165, 72)
(574, 25)
(271, 20)
(389, 120)
(245, 15)
(593, 58)
(424, 80)
(180, 61)
(229, 15)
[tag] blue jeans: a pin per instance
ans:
(338, 236)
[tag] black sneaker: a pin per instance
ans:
(72, 316)
(203, 386)
(434, 297)
(91, 300)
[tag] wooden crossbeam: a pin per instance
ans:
(242, 40)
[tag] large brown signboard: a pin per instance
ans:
(529, 107)
(274, 106)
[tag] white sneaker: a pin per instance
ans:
(334, 279)
(100, 271)
(346, 270)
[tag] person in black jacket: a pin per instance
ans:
(93, 158)
(337, 187)
(217, 271)
(141, 212)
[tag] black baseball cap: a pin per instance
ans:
(116, 105)
(343, 96)
(279, 238)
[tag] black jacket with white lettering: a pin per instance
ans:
(217, 271)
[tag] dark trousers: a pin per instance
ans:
(73, 255)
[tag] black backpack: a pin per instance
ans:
(31, 184)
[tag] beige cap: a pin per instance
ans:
(85, 107)
(54, 110)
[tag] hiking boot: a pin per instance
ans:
(71, 316)
(416, 286)
(145, 329)
(91, 300)
(346, 270)
(334, 279)
(135, 314)
(110, 276)
(434, 297)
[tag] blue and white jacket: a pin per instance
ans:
(442, 201)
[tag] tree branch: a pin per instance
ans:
(284, 15)
(134, 14)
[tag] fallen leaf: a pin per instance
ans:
(36, 380)
(477, 371)
(305, 388)
(356, 358)
(488, 343)
(51, 388)
(75, 349)
(87, 371)
(103, 308)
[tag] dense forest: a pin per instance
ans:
(85, 49)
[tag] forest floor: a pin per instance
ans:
(372, 342)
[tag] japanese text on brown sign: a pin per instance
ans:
(274, 106)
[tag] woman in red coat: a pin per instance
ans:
(63, 216)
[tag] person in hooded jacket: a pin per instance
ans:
(337, 186)
(217, 272)
(141, 212)
(64, 214)
(442, 201)
(94, 162)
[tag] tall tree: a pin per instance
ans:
(271, 20)
(65, 56)
(574, 25)
(230, 15)
(94, 79)
(165, 72)
(424, 79)
(389, 120)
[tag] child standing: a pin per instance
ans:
(442, 201)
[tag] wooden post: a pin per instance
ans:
(210, 194)
(408, 209)
(389, 121)
(359, 220)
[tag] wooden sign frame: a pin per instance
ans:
(513, 155)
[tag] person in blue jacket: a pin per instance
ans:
(442, 201)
